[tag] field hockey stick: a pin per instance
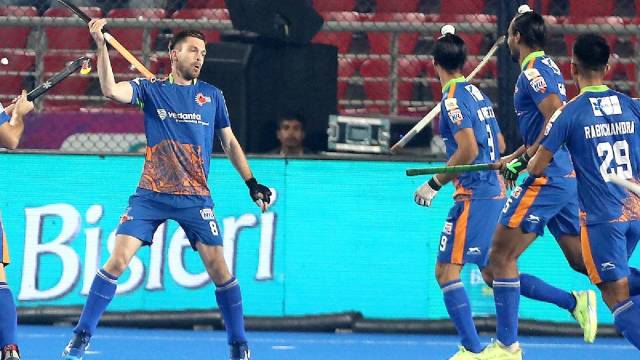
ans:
(83, 63)
(452, 169)
(633, 187)
(113, 42)
(436, 110)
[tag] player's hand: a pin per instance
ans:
(425, 193)
(513, 168)
(259, 193)
(95, 28)
(21, 105)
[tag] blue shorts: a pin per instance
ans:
(4, 248)
(606, 248)
(544, 201)
(468, 231)
(143, 216)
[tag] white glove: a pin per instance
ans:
(425, 193)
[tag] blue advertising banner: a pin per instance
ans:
(341, 235)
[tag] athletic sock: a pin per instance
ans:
(457, 303)
(102, 291)
(626, 316)
(506, 293)
(8, 317)
(229, 301)
(535, 288)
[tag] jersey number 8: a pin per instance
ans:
(620, 152)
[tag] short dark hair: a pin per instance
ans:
(290, 116)
(450, 52)
(182, 35)
(532, 29)
(592, 52)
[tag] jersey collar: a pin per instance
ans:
(594, 88)
(535, 54)
(170, 78)
(446, 86)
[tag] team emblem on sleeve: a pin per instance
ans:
(201, 99)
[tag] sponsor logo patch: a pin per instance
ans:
(539, 85)
(448, 227)
(207, 214)
(607, 266)
(455, 116)
(162, 113)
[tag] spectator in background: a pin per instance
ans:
(291, 135)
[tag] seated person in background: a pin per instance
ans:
(290, 134)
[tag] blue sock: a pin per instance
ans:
(634, 282)
(534, 288)
(8, 317)
(627, 319)
(102, 290)
(457, 303)
(506, 293)
(230, 303)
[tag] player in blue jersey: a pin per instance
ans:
(11, 128)
(548, 201)
(470, 132)
(181, 116)
(600, 128)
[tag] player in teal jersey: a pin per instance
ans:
(600, 128)
(182, 115)
(11, 129)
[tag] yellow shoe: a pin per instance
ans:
(464, 354)
(495, 351)
(586, 313)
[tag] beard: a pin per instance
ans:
(188, 72)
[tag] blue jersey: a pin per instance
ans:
(598, 127)
(464, 106)
(4, 117)
(540, 78)
(180, 122)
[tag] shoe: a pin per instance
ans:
(496, 351)
(586, 313)
(10, 352)
(77, 346)
(464, 354)
(240, 351)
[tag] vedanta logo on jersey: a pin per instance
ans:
(163, 114)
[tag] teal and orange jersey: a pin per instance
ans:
(539, 79)
(180, 123)
(599, 129)
(464, 106)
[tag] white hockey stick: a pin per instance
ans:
(633, 187)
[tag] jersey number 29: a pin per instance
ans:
(619, 152)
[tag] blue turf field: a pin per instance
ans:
(41, 342)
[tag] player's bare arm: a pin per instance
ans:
(11, 131)
(539, 161)
(121, 92)
(465, 154)
(547, 108)
(259, 193)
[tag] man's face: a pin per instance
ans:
(290, 133)
(512, 41)
(189, 55)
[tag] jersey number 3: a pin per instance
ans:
(618, 152)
